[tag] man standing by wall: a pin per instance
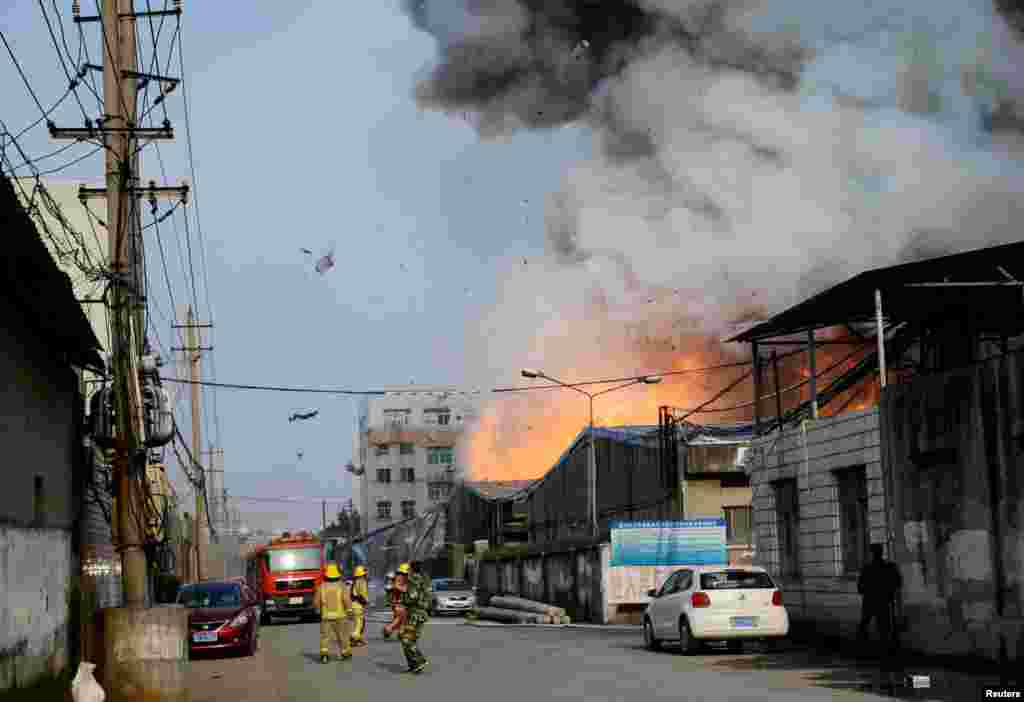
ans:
(879, 585)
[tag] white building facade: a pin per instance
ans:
(405, 455)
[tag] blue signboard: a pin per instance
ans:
(658, 543)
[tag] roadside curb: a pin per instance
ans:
(599, 627)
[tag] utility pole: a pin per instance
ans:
(324, 510)
(134, 630)
(194, 351)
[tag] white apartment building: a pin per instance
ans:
(406, 447)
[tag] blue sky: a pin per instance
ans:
(305, 134)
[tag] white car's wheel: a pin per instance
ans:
(687, 644)
(650, 642)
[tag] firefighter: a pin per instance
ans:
(394, 602)
(335, 609)
(360, 601)
(415, 603)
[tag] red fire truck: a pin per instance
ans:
(286, 573)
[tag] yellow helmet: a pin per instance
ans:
(332, 572)
(360, 572)
(403, 569)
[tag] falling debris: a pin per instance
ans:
(299, 454)
(325, 263)
(306, 251)
(303, 415)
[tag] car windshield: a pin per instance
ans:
(209, 596)
(735, 580)
(451, 585)
(286, 560)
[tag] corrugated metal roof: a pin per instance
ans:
(854, 300)
(498, 489)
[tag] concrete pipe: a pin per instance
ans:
(146, 654)
(526, 605)
(503, 615)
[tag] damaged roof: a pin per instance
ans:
(31, 279)
(498, 489)
(904, 288)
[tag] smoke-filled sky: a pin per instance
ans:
(590, 188)
(745, 154)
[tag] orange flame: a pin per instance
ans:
(520, 436)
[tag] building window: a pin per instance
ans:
(408, 509)
(437, 416)
(854, 533)
(384, 509)
(406, 449)
(787, 522)
(408, 475)
(738, 526)
(438, 492)
(382, 449)
(383, 475)
(397, 416)
(440, 455)
(38, 501)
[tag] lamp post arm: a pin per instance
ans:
(635, 381)
(566, 385)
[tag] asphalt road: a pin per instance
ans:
(498, 663)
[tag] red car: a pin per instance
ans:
(223, 617)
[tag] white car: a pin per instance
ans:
(715, 603)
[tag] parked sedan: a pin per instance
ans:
(705, 603)
(223, 616)
(452, 596)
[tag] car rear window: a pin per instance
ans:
(735, 580)
(450, 585)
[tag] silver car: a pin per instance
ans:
(452, 596)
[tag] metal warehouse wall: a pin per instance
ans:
(629, 486)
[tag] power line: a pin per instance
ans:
(24, 78)
(199, 226)
(72, 82)
(333, 391)
(232, 386)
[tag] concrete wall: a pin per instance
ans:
(707, 498)
(35, 567)
(822, 592)
(956, 446)
(40, 415)
(37, 426)
(574, 580)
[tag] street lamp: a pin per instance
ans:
(592, 467)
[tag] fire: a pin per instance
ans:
(520, 436)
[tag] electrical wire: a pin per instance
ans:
(333, 391)
(72, 82)
(199, 227)
(21, 72)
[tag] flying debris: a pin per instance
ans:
(326, 262)
(306, 251)
(303, 415)
(299, 454)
